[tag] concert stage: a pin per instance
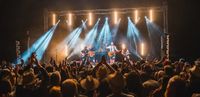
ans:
(142, 31)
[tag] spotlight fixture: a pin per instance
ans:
(53, 19)
(151, 15)
(90, 18)
(69, 19)
(115, 17)
(142, 51)
(136, 16)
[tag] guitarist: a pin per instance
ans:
(112, 49)
(126, 54)
(84, 54)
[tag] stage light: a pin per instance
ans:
(77, 49)
(91, 35)
(105, 34)
(136, 16)
(72, 39)
(82, 46)
(151, 15)
(40, 45)
(69, 19)
(66, 53)
(41, 50)
(90, 18)
(115, 17)
(123, 46)
(53, 19)
(84, 24)
(154, 34)
(134, 37)
(133, 30)
(142, 47)
(115, 29)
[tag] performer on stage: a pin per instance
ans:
(88, 54)
(91, 54)
(112, 52)
(84, 53)
(126, 54)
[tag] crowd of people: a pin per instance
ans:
(128, 78)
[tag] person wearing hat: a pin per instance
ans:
(69, 88)
(101, 73)
(89, 84)
(134, 83)
(55, 91)
(55, 78)
(5, 88)
(29, 79)
(177, 87)
(195, 77)
(29, 85)
(149, 86)
(102, 69)
(117, 84)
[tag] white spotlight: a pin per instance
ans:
(151, 15)
(115, 17)
(69, 19)
(136, 16)
(90, 18)
(82, 46)
(123, 46)
(66, 53)
(142, 51)
(53, 19)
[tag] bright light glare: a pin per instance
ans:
(115, 17)
(142, 49)
(69, 19)
(123, 46)
(151, 15)
(90, 19)
(66, 51)
(136, 16)
(53, 19)
(82, 46)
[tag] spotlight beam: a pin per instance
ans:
(38, 43)
(52, 31)
(115, 29)
(154, 33)
(40, 52)
(133, 34)
(90, 37)
(71, 40)
(105, 34)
